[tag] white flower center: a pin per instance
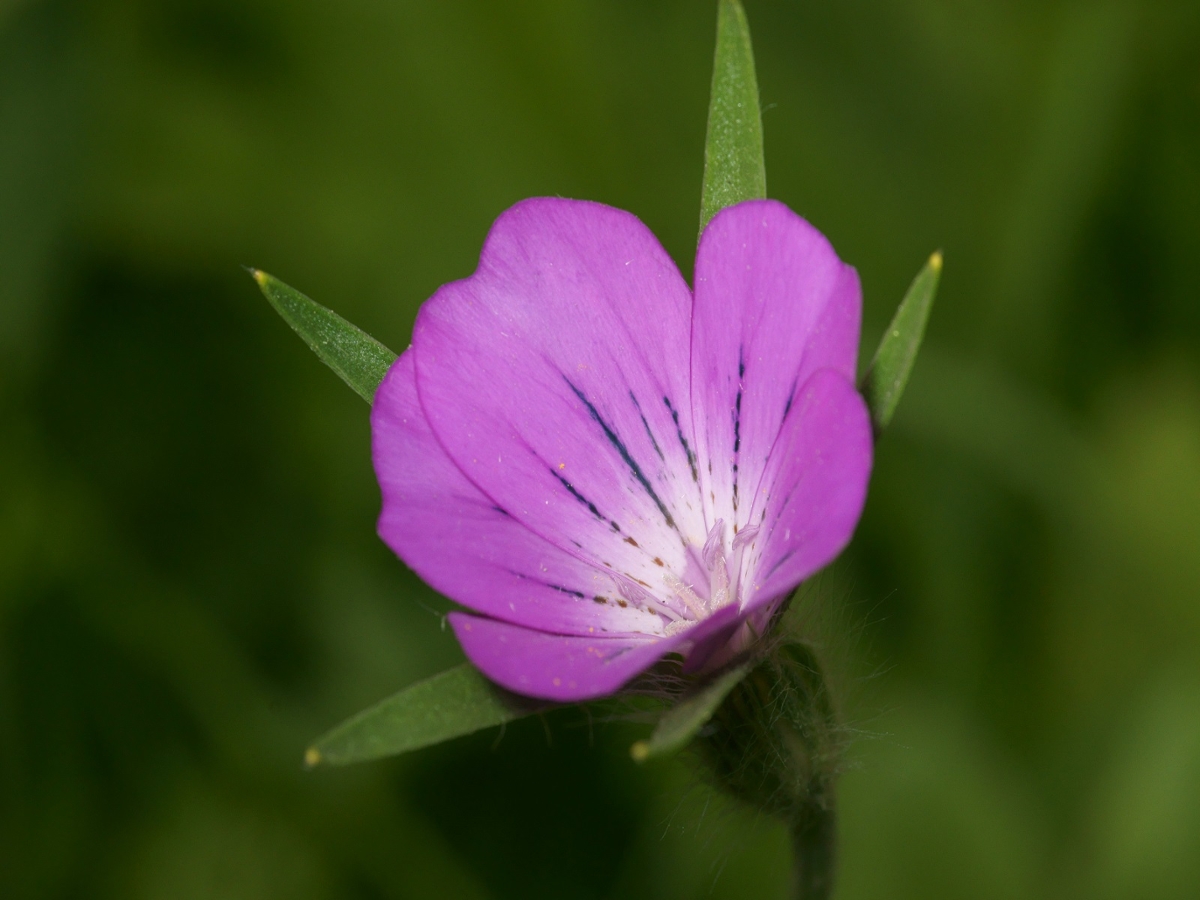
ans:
(724, 570)
(716, 574)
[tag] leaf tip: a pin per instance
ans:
(312, 758)
(640, 751)
(935, 261)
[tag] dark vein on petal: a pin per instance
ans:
(623, 451)
(575, 493)
(691, 457)
(765, 473)
(550, 584)
(649, 433)
(787, 407)
(737, 406)
(617, 655)
(563, 590)
(737, 423)
(779, 562)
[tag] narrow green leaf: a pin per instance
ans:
(733, 149)
(453, 703)
(359, 359)
(888, 374)
(680, 723)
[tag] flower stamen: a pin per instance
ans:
(684, 592)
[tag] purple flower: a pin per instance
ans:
(607, 468)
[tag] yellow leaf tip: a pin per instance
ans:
(640, 751)
(935, 261)
(312, 758)
(258, 275)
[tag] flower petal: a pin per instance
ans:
(812, 492)
(568, 668)
(773, 304)
(556, 377)
(457, 539)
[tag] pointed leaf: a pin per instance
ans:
(888, 374)
(359, 359)
(453, 703)
(733, 149)
(681, 723)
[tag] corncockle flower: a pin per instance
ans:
(606, 467)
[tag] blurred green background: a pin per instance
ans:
(190, 584)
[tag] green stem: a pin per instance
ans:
(814, 845)
(775, 744)
(813, 823)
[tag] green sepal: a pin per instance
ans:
(684, 720)
(357, 358)
(454, 703)
(888, 373)
(733, 148)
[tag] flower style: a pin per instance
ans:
(607, 468)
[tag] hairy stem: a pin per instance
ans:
(775, 743)
(814, 845)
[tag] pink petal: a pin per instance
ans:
(773, 304)
(813, 489)
(457, 539)
(568, 668)
(556, 378)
